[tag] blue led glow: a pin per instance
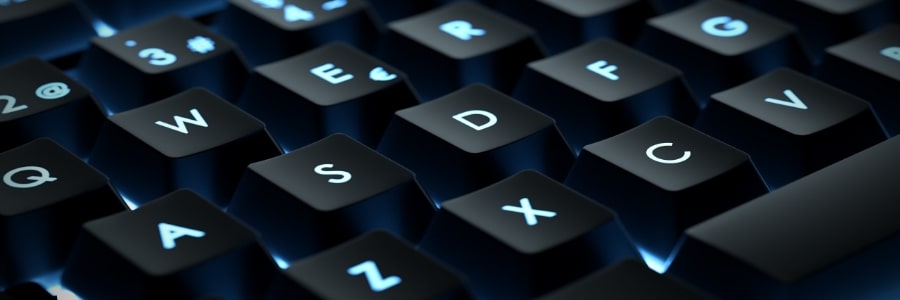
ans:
(282, 264)
(51, 282)
(103, 29)
(655, 263)
(131, 205)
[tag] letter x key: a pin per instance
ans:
(529, 213)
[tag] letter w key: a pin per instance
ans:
(376, 282)
(180, 122)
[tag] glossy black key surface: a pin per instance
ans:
(565, 24)
(791, 124)
(629, 279)
(48, 29)
(46, 194)
(332, 89)
(459, 44)
(191, 140)
(869, 67)
(663, 177)
(176, 247)
(822, 23)
(26, 291)
(603, 88)
(270, 30)
(38, 100)
(326, 193)
(159, 59)
(524, 236)
(472, 138)
(376, 265)
(830, 235)
(133, 13)
(719, 44)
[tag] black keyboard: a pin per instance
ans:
(440, 149)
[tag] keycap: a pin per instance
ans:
(524, 236)
(868, 66)
(26, 291)
(332, 89)
(472, 138)
(457, 45)
(129, 14)
(376, 265)
(391, 10)
(47, 193)
(48, 29)
(603, 88)
(179, 246)
(790, 124)
(662, 177)
(565, 24)
(829, 235)
(628, 279)
(329, 192)
(38, 100)
(719, 44)
(191, 140)
(822, 23)
(270, 30)
(159, 59)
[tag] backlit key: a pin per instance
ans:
(662, 177)
(48, 29)
(271, 30)
(327, 193)
(376, 265)
(128, 14)
(565, 24)
(46, 193)
(38, 100)
(157, 60)
(332, 89)
(719, 44)
(472, 138)
(869, 67)
(790, 124)
(191, 140)
(524, 236)
(822, 23)
(603, 88)
(177, 247)
(459, 44)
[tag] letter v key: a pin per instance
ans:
(376, 282)
(795, 101)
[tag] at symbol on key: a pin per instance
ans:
(529, 213)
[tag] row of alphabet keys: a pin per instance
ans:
(452, 159)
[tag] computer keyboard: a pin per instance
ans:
(443, 149)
